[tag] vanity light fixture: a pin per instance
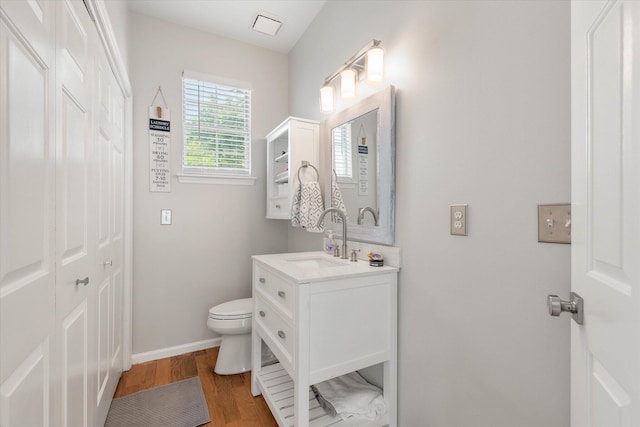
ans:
(369, 59)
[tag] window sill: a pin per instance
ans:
(215, 179)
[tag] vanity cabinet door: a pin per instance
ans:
(351, 324)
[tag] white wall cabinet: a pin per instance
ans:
(61, 215)
(293, 141)
(322, 318)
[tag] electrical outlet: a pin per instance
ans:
(165, 217)
(459, 220)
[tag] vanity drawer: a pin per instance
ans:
(280, 291)
(279, 329)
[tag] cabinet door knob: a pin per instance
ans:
(277, 206)
(282, 335)
(261, 280)
(281, 294)
(262, 313)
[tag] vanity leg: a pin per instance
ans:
(391, 366)
(256, 360)
(391, 391)
(301, 404)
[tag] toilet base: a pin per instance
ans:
(234, 355)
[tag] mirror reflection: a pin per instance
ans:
(355, 159)
(360, 144)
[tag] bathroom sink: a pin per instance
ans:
(315, 262)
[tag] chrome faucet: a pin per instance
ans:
(375, 214)
(344, 254)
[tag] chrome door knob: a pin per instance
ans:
(575, 306)
(556, 305)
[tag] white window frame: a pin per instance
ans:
(205, 175)
(343, 146)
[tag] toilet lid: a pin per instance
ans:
(236, 309)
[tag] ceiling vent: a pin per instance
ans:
(266, 24)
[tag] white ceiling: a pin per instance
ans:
(233, 18)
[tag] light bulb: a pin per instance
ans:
(348, 83)
(375, 65)
(326, 99)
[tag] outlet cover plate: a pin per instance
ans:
(554, 223)
(459, 220)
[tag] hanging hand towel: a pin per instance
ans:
(350, 395)
(307, 207)
(337, 201)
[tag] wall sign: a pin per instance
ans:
(159, 150)
(363, 167)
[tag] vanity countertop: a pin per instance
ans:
(306, 267)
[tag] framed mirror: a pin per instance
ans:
(361, 148)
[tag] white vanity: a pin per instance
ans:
(322, 317)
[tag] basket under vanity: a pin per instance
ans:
(291, 143)
(322, 317)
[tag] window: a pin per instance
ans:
(216, 115)
(342, 151)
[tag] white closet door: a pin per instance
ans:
(76, 263)
(27, 273)
(109, 109)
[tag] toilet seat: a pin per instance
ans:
(232, 310)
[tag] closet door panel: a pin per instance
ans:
(77, 283)
(27, 273)
(110, 236)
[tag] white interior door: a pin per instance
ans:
(110, 198)
(27, 191)
(76, 262)
(605, 351)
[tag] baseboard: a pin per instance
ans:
(174, 351)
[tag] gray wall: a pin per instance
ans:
(482, 116)
(204, 258)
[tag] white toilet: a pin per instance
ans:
(232, 320)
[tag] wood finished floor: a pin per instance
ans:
(228, 396)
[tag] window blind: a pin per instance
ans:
(342, 151)
(216, 126)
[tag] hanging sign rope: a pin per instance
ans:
(159, 146)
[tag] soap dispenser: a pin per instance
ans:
(329, 243)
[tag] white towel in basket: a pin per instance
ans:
(350, 396)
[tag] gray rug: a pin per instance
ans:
(179, 404)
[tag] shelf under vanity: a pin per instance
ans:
(278, 391)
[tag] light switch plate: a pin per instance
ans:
(554, 223)
(165, 217)
(459, 220)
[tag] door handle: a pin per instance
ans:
(84, 281)
(109, 263)
(575, 306)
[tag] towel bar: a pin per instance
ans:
(306, 164)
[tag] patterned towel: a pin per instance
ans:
(337, 202)
(307, 207)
